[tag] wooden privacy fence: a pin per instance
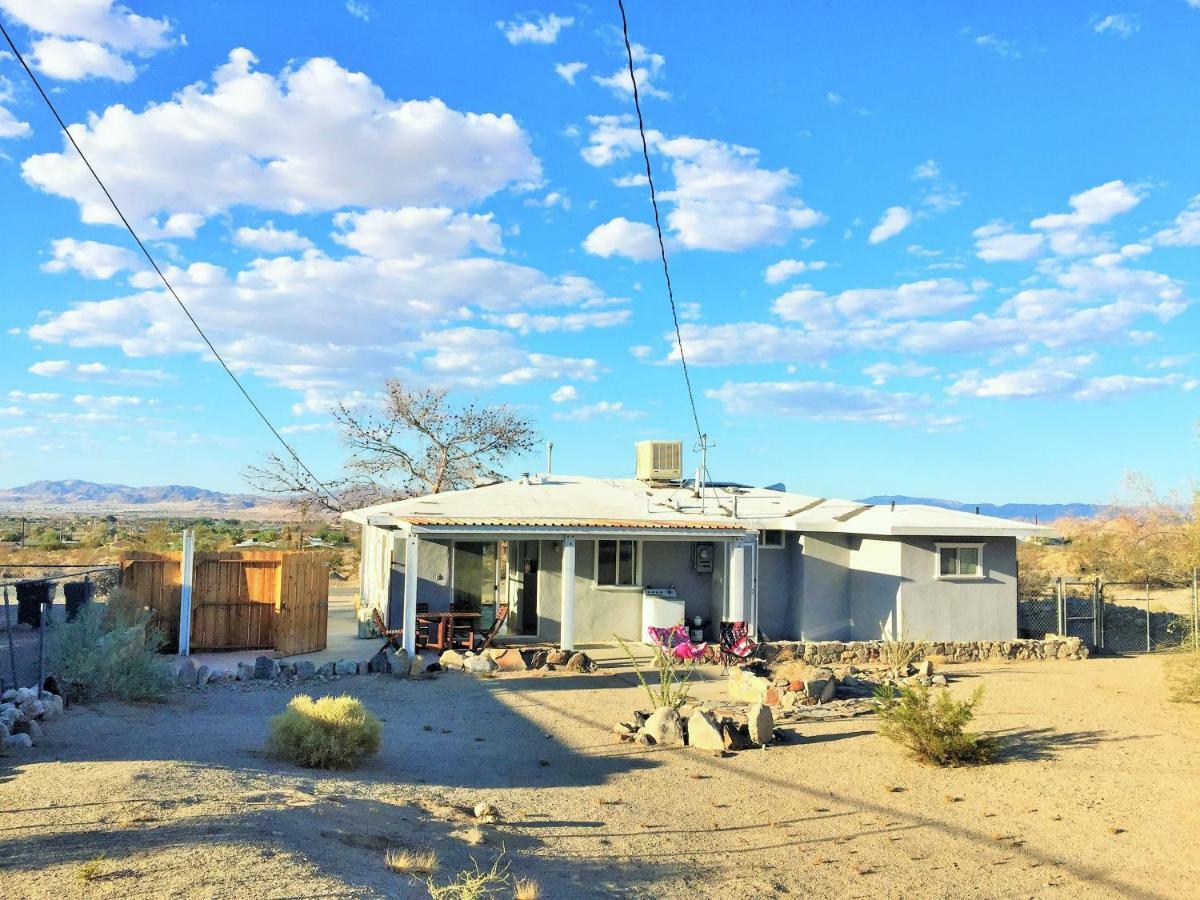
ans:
(241, 600)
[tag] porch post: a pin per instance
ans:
(567, 617)
(737, 582)
(410, 593)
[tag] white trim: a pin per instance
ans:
(951, 545)
(639, 582)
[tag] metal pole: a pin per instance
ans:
(1062, 625)
(1096, 614)
(12, 654)
(1195, 614)
(46, 607)
(1147, 615)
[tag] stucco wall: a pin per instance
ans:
(599, 612)
(959, 610)
(433, 572)
(824, 601)
(876, 574)
(666, 563)
(774, 588)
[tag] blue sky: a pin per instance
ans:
(945, 250)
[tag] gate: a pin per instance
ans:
(1115, 616)
(249, 600)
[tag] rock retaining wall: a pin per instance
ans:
(825, 653)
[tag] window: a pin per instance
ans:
(772, 539)
(617, 563)
(960, 560)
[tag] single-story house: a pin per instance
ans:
(582, 560)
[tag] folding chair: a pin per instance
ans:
(736, 644)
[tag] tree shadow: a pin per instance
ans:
(1040, 744)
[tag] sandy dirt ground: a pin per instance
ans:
(1096, 794)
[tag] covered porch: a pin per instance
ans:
(564, 583)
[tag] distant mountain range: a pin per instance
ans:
(72, 495)
(1025, 512)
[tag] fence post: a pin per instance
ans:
(1096, 613)
(8, 626)
(1195, 614)
(1147, 615)
(187, 571)
(1062, 613)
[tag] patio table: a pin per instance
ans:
(443, 624)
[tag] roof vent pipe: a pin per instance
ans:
(893, 506)
(549, 457)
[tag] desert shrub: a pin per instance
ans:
(472, 884)
(897, 656)
(123, 608)
(1183, 676)
(932, 724)
(330, 733)
(674, 675)
(98, 657)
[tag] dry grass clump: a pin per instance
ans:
(92, 869)
(526, 889)
(1183, 676)
(472, 884)
(412, 862)
(933, 727)
(330, 733)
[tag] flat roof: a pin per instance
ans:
(572, 502)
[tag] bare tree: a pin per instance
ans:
(421, 442)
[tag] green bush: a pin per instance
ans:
(1183, 676)
(933, 728)
(98, 656)
(330, 733)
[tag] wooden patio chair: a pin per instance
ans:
(392, 636)
(486, 636)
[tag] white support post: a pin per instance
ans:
(737, 582)
(411, 579)
(567, 620)
(187, 569)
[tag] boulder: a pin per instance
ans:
(32, 709)
(761, 724)
(34, 730)
(746, 686)
(399, 662)
(364, 667)
(479, 665)
(381, 662)
(53, 706)
(508, 659)
(663, 726)
(420, 664)
(326, 670)
(536, 659)
(451, 659)
(8, 696)
(821, 689)
(245, 671)
(939, 680)
(581, 662)
(265, 668)
(925, 668)
(345, 667)
(4, 730)
(486, 811)
(203, 674)
(703, 732)
(18, 742)
(287, 670)
(306, 668)
(186, 674)
(558, 657)
(736, 737)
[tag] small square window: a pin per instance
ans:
(616, 563)
(772, 539)
(960, 560)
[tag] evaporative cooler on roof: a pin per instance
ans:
(659, 460)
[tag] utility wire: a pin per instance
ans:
(61, 124)
(662, 247)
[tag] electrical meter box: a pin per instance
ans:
(702, 557)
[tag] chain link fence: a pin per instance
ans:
(1118, 617)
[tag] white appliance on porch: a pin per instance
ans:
(661, 608)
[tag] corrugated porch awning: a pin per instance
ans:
(528, 525)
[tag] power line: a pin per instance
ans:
(662, 247)
(61, 124)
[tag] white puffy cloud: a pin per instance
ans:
(722, 199)
(477, 357)
(1185, 232)
(541, 30)
(108, 401)
(997, 242)
(1068, 233)
(908, 301)
(882, 372)
(359, 10)
(621, 237)
(789, 268)
(1059, 377)
(315, 137)
(647, 68)
(1123, 25)
(11, 126)
(34, 396)
(569, 71)
(91, 259)
(604, 409)
(417, 233)
(927, 171)
(565, 393)
(818, 400)
(893, 221)
(575, 321)
(101, 372)
(270, 239)
(1000, 46)
(78, 39)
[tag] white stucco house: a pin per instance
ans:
(580, 560)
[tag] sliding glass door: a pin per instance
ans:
(476, 579)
